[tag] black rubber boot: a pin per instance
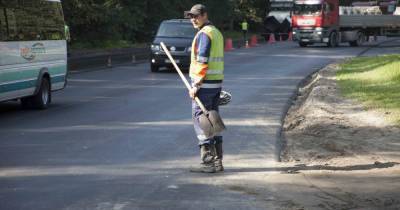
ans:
(218, 157)
(207, 158)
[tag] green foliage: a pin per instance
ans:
(375, 82)
(92, 21)
(254, 11)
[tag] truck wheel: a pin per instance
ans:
(333, 40)
(303, 44)
(359, 41)
(154, 68)
(43, 98)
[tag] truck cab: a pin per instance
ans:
(324, 21)
(316, 21)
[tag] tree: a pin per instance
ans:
(137, 21)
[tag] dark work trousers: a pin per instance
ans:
(210, 98)
(244, 35)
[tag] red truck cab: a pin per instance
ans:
(323, 21)
(315, 21)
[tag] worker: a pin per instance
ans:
(67, 38)
(206, 73)
(67, 33)
(245, 27)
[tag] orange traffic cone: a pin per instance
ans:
(228, 44)
(253, 41)
(271, 39)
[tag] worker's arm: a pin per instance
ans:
(202, 47)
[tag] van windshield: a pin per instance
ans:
(307, 9)
(184, 30)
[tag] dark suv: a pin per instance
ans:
(177, 34)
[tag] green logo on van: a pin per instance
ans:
(30, 53)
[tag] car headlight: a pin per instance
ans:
(189, 49)
(155, 47)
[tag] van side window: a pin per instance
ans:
(11, 23)
(27, 25)
(31, 20)
(52, 20)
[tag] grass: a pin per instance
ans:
(374, 81)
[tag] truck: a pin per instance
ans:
(324, 21)
(277, 21)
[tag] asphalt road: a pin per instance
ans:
(122, 138)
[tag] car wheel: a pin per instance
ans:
(303, 44)
(154, 68)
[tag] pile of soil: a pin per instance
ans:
(323, 127)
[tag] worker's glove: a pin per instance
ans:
(193, 91)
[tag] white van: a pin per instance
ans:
(33, 52)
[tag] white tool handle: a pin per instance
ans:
(182, 76)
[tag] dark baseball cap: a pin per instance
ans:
(196, 10)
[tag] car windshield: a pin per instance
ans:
(307, 9)
(184, 30)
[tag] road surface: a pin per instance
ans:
(122, 138)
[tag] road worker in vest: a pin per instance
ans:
(206, 73)
(245, 28)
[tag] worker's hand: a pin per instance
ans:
(193, 92)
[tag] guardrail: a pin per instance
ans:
(85, 59)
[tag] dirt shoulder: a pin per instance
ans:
(322, 127)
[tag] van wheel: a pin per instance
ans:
(154, 68)
(43, 98)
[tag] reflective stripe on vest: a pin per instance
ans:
(213, 72)
(205, 59)
(209, 85)
(215, 61)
